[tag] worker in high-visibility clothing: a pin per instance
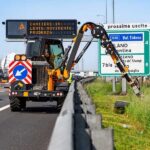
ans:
(70, 78)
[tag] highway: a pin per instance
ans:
(30, 129)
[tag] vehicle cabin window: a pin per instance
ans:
(33, 49)
(56, 53)
(53, 51)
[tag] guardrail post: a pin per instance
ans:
(102, 139)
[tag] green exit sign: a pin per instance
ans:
(133, 47)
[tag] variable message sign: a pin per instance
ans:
(41, 28)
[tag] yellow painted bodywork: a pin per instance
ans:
(56, 76)
(126, 68)
(50, 83)
(25, 94)
(4, 81)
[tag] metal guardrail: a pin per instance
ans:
(78, 127)
(62, 137)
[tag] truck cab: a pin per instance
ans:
(44, 55)
(50, 50)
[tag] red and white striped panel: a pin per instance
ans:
(27, 64)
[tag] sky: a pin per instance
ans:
(126, 11)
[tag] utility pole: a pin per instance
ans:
(106, 13)
(114, 78)
(113, 8)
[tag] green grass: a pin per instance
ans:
(131, 129)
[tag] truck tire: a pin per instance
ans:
(16, 104)
(23, 104)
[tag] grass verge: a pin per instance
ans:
(131, 129)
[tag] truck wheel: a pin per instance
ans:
(16, 104)
(23, 104)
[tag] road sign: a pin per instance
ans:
(127, 26)
(20, 70)
(41, 28)
(133, 47)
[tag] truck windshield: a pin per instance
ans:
(56, 50)
(56, 53)
(33, 49)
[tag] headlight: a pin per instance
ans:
(20, 57)
(17, 57)
(23, 57)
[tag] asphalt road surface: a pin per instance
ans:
(30, 129)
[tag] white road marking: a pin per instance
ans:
(4, 107)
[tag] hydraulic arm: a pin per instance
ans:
(100, 33)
